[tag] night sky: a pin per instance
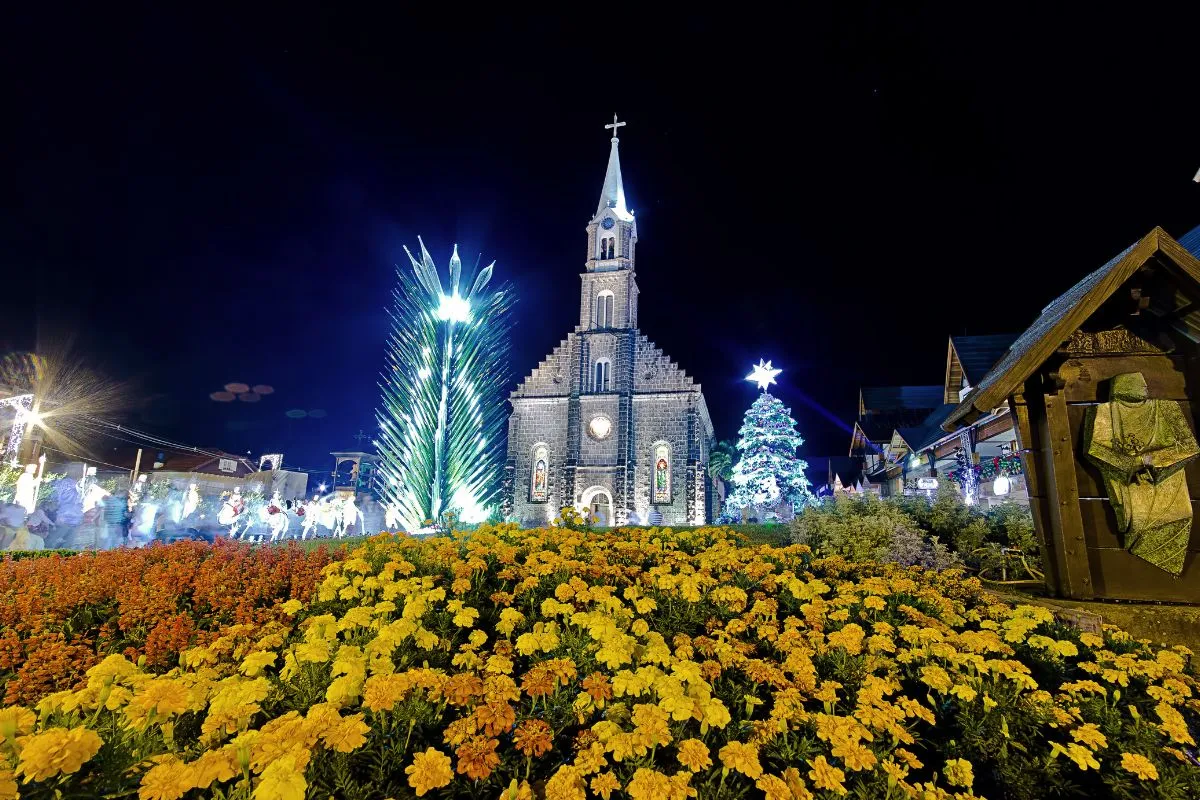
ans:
(200, 198)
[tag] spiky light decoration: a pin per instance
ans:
(442, 420)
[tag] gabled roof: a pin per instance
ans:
(919, 437)
(977, 354)
(875, 399)
(1064, 316)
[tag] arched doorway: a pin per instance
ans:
(597, 501)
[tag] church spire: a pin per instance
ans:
(613, 194)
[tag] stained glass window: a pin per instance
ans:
(662, 473)
(538, 474)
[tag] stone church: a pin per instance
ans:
(607, 422)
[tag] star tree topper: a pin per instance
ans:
(763, 374)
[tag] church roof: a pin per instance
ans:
(612, 195)
(1064, 315)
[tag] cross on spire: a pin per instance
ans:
(360, 437)
(614, 126)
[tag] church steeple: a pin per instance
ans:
(612, 195)
(609, 299)
(612, 232)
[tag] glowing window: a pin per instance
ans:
(662, 473)
(538, 474)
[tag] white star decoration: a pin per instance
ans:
(763, 374)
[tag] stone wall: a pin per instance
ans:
(534, 421)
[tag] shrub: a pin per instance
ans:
(868, 529)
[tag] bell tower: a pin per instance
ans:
(609, 292)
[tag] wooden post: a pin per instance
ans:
(1075, 577)
(137, 465)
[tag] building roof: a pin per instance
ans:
(874, 399)
(612, 194)
(201, 463)
(977, 354)
(1064, 316)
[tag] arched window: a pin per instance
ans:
(602, 376)
(604, 309)
(608, 247)
(539, 471)
(662, 473)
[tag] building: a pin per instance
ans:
(980, 460)
(607, 422)
(214, 471)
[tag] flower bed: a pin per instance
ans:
(61, 614)
(643, 664)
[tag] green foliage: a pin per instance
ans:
(997, 544)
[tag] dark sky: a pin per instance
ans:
(200, 197)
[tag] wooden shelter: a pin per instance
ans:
(1140, 312)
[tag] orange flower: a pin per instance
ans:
(495, 718)
(533, 737)
(477, 758)
(605, 784)
(598, 687)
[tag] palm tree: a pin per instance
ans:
(721, 456)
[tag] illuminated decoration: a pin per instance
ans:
(442, 418)
(538, 476)
(926, 484)
(763, 374)
(22, 406)
(768, 471)
(600, 427)
(662, 473)
(1000, 486)
(270, 462)
(987, 469)
(237, 388)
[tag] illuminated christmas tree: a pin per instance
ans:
(442, 421)
(768, 472)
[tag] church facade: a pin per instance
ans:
(607, 422)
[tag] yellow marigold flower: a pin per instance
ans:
(936, 678)
(16, 721)
(908, 758)
(566, 784)
(773, 788)
(855, 756)
(850, 638)
(430, 770)
(1139, 765)
(1173, 724)
(254, 663)
(348, 735)
(741, 758)
(647, 784)
(56, 751)
(959, 772)
(694, 754)
(283, 779)
(215, 765)
(8, 785)
(170, 779)
(1082, 757)
(826, 776)
(1090, 735)
(605, 784)
(291, 606)
(713, 713)
(510, 619)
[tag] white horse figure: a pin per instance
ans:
(278, 521)
(323, 512)
(351, 515)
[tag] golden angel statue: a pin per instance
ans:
(1141, 446)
